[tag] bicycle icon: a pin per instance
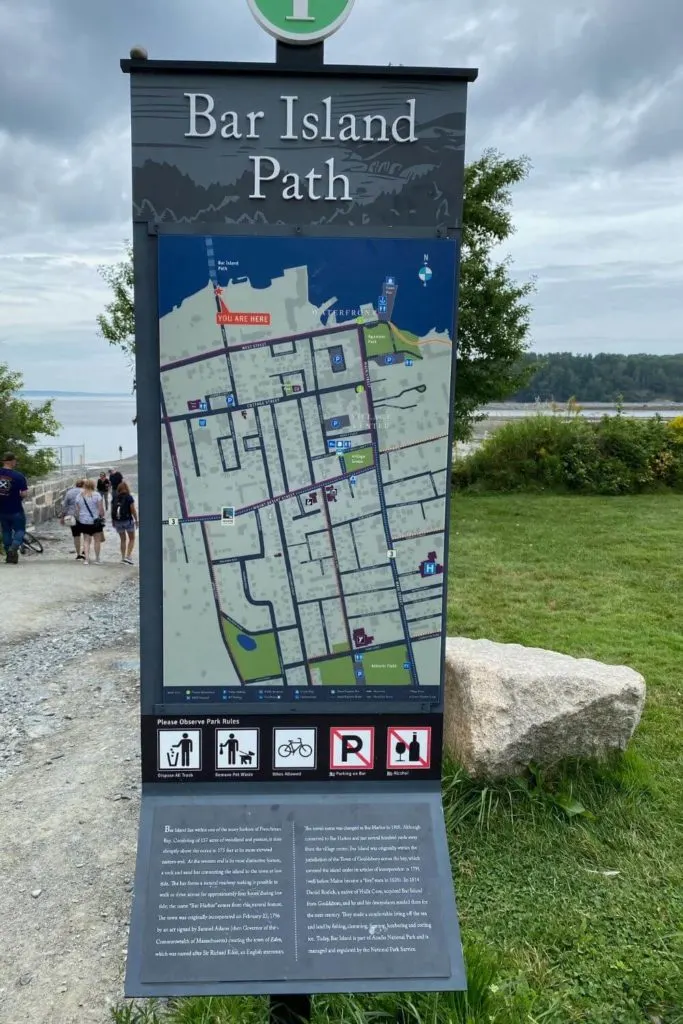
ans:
(291, 749)
(294, 749)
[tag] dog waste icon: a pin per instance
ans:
(237, 749)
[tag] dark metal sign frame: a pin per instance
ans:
(157, 184)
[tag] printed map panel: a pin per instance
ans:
(305, 431)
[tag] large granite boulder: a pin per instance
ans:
(508, 705)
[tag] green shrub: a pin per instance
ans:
(520, 455)
(615, 455)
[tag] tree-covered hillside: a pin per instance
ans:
(603, 378)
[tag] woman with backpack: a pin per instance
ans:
(124, 518)
(89, 512)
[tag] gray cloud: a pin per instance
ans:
(612, 313)
(549, 54)
(660, 130)
(59, 74)
(591, 91)
(73, 361)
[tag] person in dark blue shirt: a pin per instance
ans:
(13, 489)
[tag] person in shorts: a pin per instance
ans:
(90, 516)
(69, 513)
(124, 518)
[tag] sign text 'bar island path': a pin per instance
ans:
(296, 236)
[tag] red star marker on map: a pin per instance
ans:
(218, 291)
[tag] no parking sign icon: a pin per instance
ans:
(352, 747)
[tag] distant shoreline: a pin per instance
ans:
(76, 394)
(547, 405)
(492, 410)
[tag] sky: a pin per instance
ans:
(591, 92)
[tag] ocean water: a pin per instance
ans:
(352, 271)
(98, 426)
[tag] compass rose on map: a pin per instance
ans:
(425, 275)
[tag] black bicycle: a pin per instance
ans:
(293, 747)
(31, 545)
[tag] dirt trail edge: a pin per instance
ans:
(69, 788)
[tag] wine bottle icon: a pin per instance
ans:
(414, 749)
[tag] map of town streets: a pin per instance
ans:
(305, 426)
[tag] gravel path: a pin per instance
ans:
(69, 782)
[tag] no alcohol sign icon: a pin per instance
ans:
(409, 748)
(351, 748)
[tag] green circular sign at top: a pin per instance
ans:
(301, 21)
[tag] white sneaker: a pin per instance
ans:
(129, 561)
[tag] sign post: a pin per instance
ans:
(296, 241)
(290, 1009)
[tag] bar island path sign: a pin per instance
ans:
(297, 231)
(301, 21)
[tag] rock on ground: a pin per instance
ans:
(69, 782)
(508, 705)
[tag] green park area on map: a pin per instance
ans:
(305, 442)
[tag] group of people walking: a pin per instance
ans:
(84, 510)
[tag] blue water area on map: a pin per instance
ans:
(352, 269)
(247, 642)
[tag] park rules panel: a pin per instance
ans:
(296, 237)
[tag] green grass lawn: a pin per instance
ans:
(564, 920)
(599, 578)
(257, 662)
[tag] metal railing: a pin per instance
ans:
(67, 456)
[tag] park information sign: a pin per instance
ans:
(301, 21)
(296, 242)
